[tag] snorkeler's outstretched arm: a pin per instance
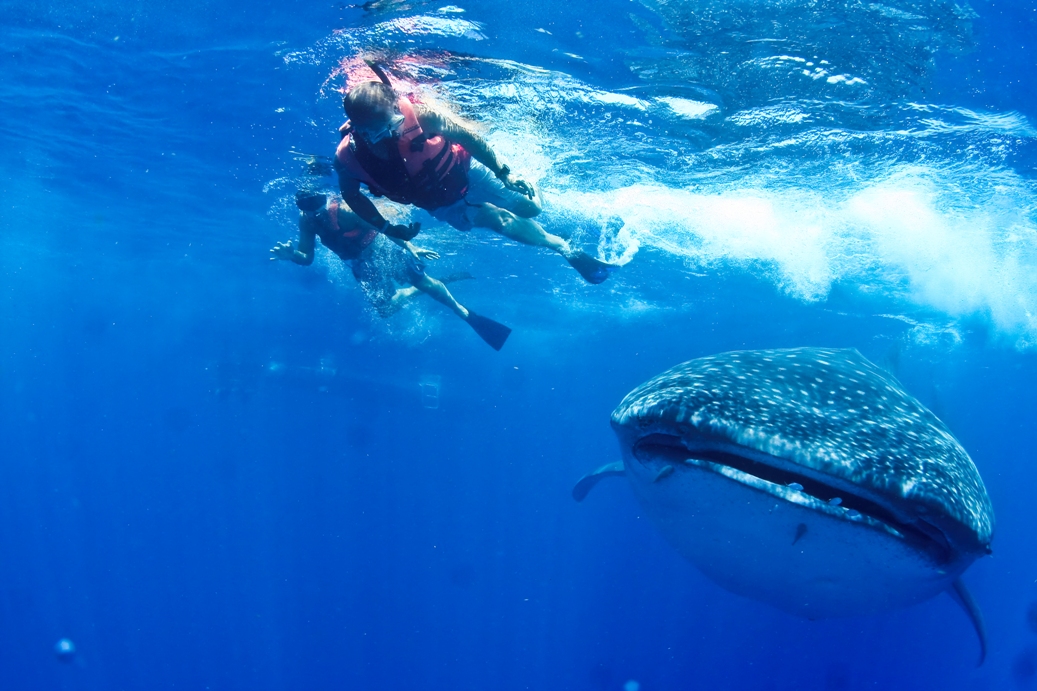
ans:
(367, 211)
(420, 252)
(434, 122)
(301, 254)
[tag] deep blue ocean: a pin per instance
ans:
(222, 472)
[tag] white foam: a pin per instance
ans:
(686, 108)
(908, 237)
(745, 227)
(615, 99)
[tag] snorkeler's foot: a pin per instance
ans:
(494, 333)
(593, 270)
(387, 308)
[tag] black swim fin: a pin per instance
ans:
(490, 331)
(593, 270)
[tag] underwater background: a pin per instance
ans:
(221, 472)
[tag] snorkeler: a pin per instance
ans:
(415, 155)
(377, 263)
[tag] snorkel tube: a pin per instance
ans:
(379, 72)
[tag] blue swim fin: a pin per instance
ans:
(593, 270)
(490, 331)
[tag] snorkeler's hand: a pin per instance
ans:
(283, 250)
(425, 254)
(402, 232)
(518, 185)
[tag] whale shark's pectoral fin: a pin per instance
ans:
(964, 598)
(587, 482)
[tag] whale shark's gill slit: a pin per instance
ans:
(670, 448)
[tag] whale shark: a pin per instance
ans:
(805, 478)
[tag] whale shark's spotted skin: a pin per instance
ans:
(830, 410)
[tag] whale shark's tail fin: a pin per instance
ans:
(490, 331)
(964, 598)
(587, 482)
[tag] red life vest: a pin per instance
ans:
(348, 243)
(428, 172)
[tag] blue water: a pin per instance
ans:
(219, 472)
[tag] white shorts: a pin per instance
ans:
(483, 188)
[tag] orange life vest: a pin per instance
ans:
(428, 172)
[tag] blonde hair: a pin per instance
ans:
(364, 99)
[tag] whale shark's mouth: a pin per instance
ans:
(811, 490)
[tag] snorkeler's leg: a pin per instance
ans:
(395, 303)
(494, 333)
(523, 206)
(524, 230)
(402, 295)
(484, 187)
(438, 292)
(528, 231)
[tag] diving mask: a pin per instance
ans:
(375, 136)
